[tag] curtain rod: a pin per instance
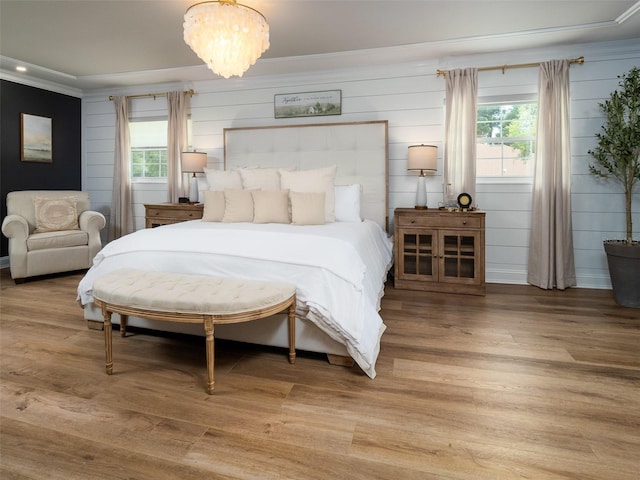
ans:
(579, 60)
(154, 95)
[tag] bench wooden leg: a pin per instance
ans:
(123, 325)
(292, 331)
(107, 340)
(208, 328)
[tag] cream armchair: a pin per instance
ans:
(39, 246)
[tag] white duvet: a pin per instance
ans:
(338, 268)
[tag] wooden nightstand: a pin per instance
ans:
(439, 251)
(167, 213)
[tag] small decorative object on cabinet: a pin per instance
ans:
(167, 213)
(439, 251)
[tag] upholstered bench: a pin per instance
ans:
(185, 298)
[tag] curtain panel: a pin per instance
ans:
(551, 260)
(460, 132)
(178, 104)
(121, 218)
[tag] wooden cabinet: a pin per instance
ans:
(439, 251)
(167, 213)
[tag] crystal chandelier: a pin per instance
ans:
(227, 36)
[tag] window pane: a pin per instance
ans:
(506, 139)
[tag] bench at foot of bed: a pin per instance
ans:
(184, 298)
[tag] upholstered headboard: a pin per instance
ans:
(359, 149)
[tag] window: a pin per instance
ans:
(148, 148)
(506, 138)
(148, 143)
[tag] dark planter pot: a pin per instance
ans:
(624, 269)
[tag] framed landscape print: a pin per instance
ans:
(308, 104)
(35, 142)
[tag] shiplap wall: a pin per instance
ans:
(411, 98)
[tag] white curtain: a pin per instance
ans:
(178, 113)
(121, 218)
(460, 132)
(551, 262)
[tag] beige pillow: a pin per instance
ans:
(313, 181)
(214, 204)
(223, 179)
(271, 207)
(55, 214)
(307, 208)
(238, 206)
(260, 178)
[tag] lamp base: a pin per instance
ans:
(421, 192)
(193, 189)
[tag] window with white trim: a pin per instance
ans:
(148, 144)
(506, 138)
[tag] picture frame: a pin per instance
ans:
(308, 104)
(36, 143)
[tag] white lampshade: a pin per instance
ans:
(227, 36)
(193, 162)
(423, 157)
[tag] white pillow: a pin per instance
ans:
(214, 206)
(313, 181)
(223, 179)
(260, 178)
(271, 207)
(348, 203)
(307, 208)
(238, 206)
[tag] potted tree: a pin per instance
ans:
(617, 157)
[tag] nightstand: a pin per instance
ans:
(439, 251)
(167, 213)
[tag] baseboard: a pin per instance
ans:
(519, 277)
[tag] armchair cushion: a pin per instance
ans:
(55, 214)
(68, 238)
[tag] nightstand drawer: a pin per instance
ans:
(174, 213)
(448, 220)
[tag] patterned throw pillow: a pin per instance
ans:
(55, 214)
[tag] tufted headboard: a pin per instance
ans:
(359, 149)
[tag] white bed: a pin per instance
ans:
(339, 268)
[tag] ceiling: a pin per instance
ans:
(89, 44)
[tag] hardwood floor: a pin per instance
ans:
(522, 383)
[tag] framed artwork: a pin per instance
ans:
(308, 104)
(35, 141)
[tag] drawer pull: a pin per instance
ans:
(464, 222)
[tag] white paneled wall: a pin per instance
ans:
(411, 98)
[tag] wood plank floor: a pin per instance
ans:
(520, 384)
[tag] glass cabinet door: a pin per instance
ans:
(459, 258)
(417, 254)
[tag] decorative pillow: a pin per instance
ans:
(307, 208)
(271, 207)
(238, 206)
(313, 181)
(260, 178)
(55, 214)
(348, 203)
(223, 179)
(214, 206)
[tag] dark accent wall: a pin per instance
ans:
(64, 173)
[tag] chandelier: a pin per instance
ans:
(227, 36)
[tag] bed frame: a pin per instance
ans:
(360, 151)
